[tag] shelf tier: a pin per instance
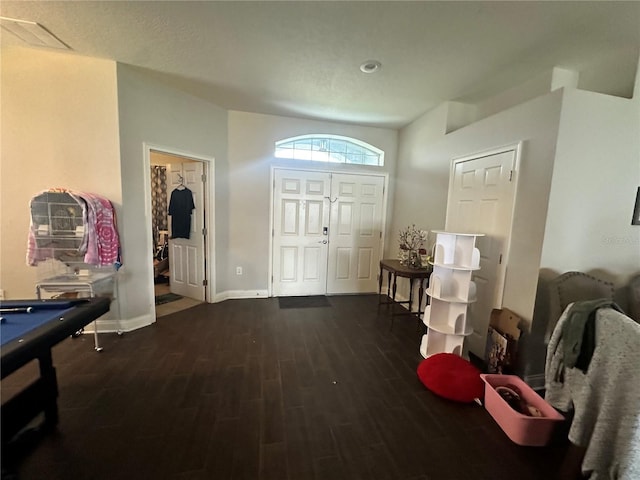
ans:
(445, 317)
(456, 251)
(458, 234)
(452, 266)
(446, 329)
(434, 342)
(449, 298)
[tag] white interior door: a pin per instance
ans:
(355, 233)
(186, 256)
(481, 199)
(300, 232)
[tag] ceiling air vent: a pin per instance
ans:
(31, 33)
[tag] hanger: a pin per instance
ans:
(181, 185)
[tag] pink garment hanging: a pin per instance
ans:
(103, 242)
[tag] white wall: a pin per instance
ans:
(160, 115)
(80, 123)
(588, 228)
(595, 179)
(252, 140)
(578, 178)
(59, 129)
(423, 176)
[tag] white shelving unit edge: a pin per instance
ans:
(454, 254)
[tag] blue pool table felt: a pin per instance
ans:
(16, 325)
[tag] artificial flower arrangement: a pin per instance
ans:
(411, 240)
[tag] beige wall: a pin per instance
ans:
(82, 123)
(59, 129)
(62, 127)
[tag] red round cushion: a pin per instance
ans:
(452, 377)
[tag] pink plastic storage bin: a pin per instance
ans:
(521, 429)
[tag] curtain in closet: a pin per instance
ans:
(158, 201)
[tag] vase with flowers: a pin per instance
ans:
(411, 240)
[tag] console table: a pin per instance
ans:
(394, 270)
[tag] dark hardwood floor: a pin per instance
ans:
(245, 390)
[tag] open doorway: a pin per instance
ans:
(178, 206)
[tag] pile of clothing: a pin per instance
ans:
(592, 369)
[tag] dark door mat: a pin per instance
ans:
(167, 298)
(304, 302)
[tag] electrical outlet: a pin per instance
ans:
(238, 270)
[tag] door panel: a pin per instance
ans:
(313, 268)
(481, 200)
(289, 264)
(355, 233)
(290, 217)
(176, 254)
(343, 262)
(344, 222)
(301, 211)
(365, 263)
(186, 256)
(315, 218)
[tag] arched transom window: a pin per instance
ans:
(329, 148)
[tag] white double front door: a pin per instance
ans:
(327, 232)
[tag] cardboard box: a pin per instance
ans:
(502, 341)
(521, 429)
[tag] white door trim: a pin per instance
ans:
(209, 194)
(494, 297)
(517, 149)
(385, 196)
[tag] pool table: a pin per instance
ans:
(28, 331)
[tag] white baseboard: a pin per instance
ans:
(401, 298)
(130, 324)
(120, 326)
(237, 294)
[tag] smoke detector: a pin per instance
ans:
(370, 66)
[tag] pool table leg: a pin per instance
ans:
(41, 396)
(50, 389)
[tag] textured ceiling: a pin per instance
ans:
(301, 58)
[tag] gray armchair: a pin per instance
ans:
(572, 287)
(634, 298)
